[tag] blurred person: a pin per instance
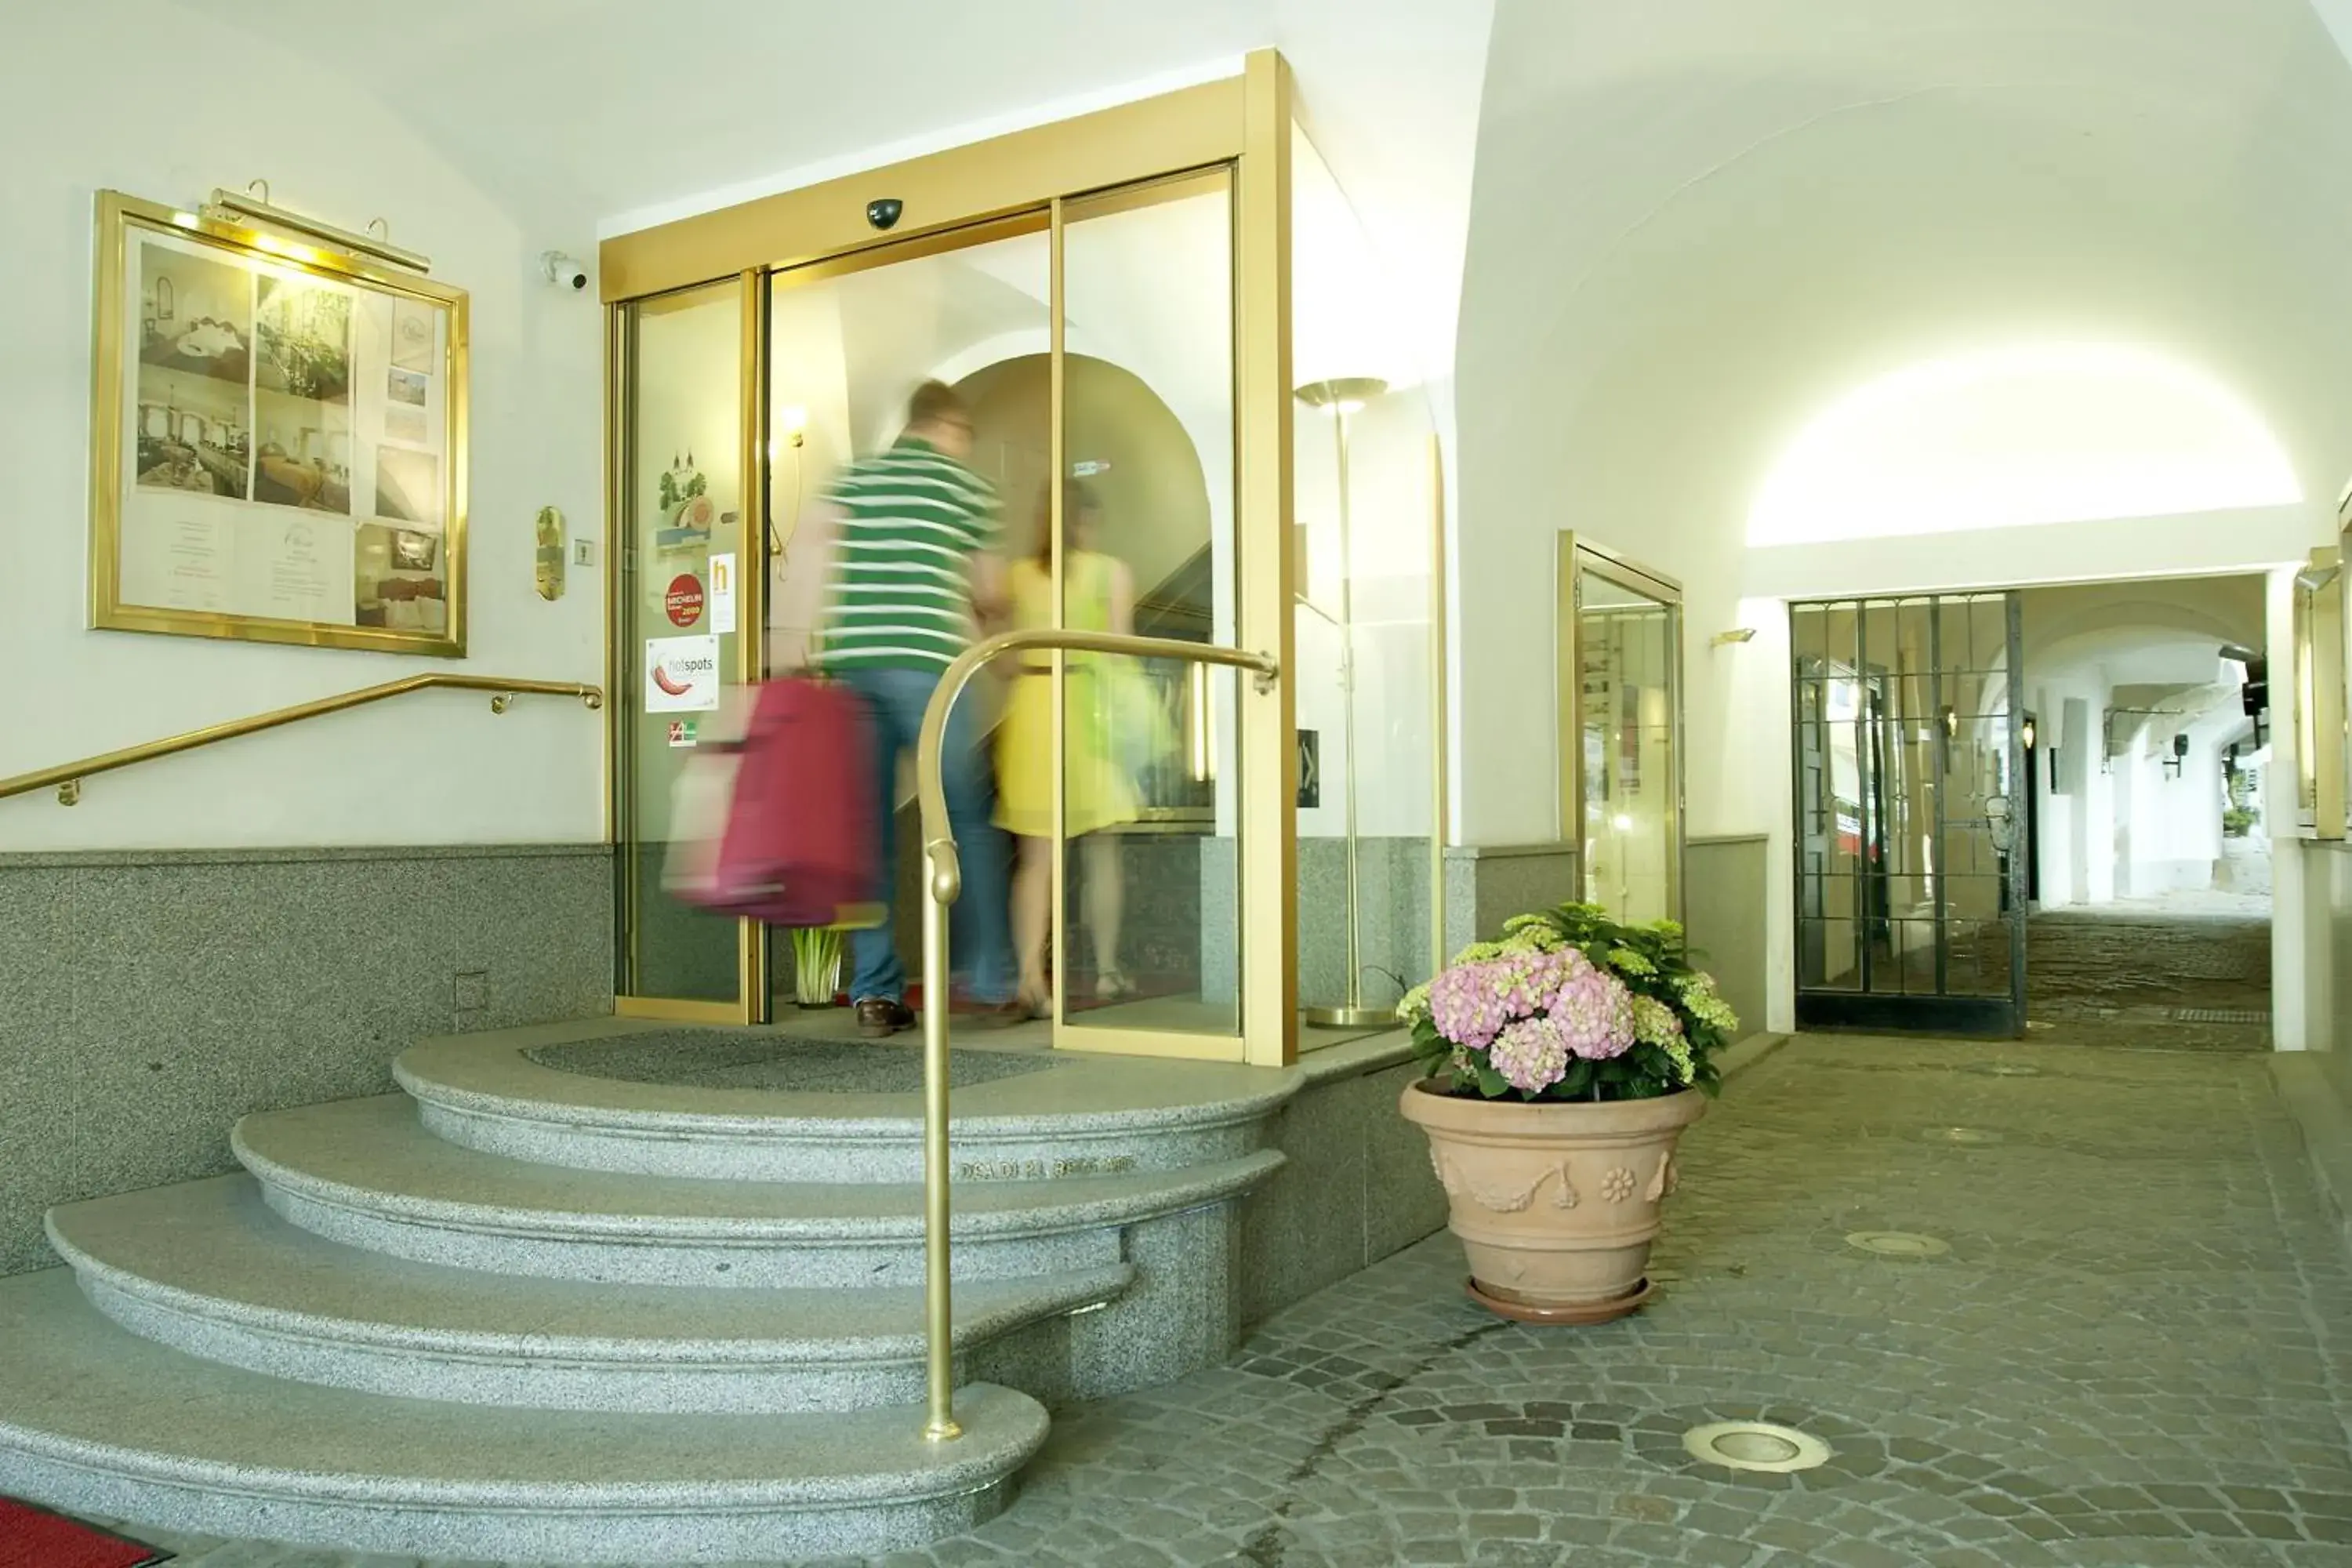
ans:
(909, 539)
(1108, 708)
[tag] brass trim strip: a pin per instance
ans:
(1057, 447)
(1190, 128)
(1265, 578)
(67, 778)
(945, 882)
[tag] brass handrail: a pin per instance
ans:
(67, 776)
(945, 882)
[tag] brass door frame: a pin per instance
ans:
(1578, 556)
(1244, 122)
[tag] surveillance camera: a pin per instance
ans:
(563, 271)
(884, 213)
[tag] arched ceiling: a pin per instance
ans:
(1697, 224)
(578, 112)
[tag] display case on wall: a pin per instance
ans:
(1621, 694)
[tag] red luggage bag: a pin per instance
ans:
(780, 825)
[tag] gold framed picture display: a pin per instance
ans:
(277, 439)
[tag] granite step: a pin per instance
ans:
(757, 1105)
(97, 1421)
(207, 1267)
(367, 1172)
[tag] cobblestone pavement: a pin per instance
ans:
(2132, 1352)
(2192, 973)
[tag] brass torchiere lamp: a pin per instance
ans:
(1341, 399)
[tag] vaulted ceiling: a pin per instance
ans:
(1696, 225)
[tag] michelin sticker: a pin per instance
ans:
(681, 675)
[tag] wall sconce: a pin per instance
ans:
(1951, 722)
(2029, 733)
(1736, 635)
(2180, 755)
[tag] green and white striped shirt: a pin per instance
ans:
(911, 519)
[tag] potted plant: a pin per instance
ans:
(1564, 1062)
(817, 965)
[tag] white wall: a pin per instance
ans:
(146, 97)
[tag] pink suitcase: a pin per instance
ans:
(779, 824)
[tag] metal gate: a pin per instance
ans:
(1910, 776)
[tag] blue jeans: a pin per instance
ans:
(983, 942)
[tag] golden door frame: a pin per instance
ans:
(1242, 124)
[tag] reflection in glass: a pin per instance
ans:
(1363, 509)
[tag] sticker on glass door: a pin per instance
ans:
(681, 675)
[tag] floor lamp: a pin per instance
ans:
(1341, 399)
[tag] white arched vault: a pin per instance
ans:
(2038, 433)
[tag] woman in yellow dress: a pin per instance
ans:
(1099, 595)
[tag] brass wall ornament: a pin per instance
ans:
(549, 530)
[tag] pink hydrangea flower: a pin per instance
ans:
(1532, 1054)
(1595, 1013)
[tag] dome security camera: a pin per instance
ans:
(563, 271)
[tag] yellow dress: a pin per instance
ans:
(1098, 794)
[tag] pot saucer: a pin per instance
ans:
(1589, 1312)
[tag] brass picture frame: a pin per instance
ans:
(275, 430)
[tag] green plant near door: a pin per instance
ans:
(817, 965)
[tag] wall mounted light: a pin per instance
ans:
(1951, 722)
(2026, 734)
(1736, 635)
(2180, 755)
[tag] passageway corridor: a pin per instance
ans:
(2182, 972)
(2127, 1345)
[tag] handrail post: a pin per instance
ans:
(940, 889)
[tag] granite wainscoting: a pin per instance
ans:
(1725, 897)
(1392, 904)
(151, 998)
(1356, 1184)
(1486, 884)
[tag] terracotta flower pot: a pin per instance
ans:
(1556, 1203)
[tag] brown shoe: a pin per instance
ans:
(878, 1017)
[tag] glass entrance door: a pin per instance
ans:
(1909, 762)
(1092, 344)
(685, 650)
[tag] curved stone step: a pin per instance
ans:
(94, 1420)
(1065, 1115)
(365, 1171)
(207, 1269)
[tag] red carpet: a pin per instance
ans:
(31, 1539)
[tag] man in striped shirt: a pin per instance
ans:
(913, 555)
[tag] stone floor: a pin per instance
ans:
(2134, 1353)
(2187, 972)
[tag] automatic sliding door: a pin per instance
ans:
(1147, 917)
